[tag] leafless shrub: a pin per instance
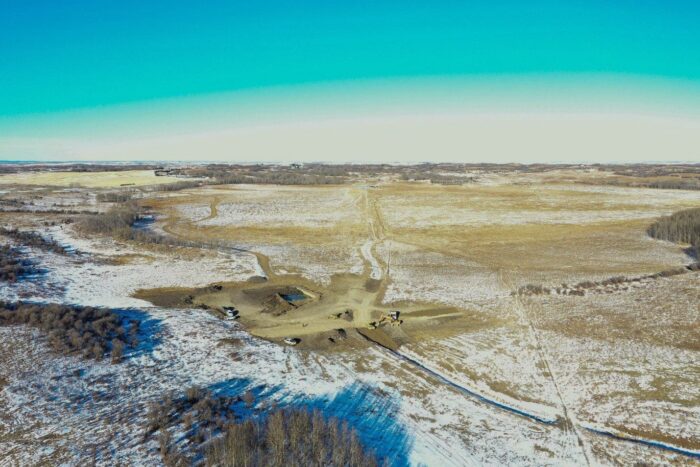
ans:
(615, 280)
(91, 332)
(14, 265)
(119, 222)
(115, 222)
(532, 289)
(33, 239)
(248, 398)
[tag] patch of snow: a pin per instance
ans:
(367, 254)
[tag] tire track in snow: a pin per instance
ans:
(570, 422)
(574, 424)
(376, 231)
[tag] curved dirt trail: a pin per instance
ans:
(262, 260)
(376, 229)
(213, 209)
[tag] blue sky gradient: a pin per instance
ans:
(71, 54)
(379, 80)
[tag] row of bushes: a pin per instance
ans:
(212, 433)
(177, 186)
(34, 239)
(438, 179)
(45, 211)
(277, 178)
(679, 183)
(115, 196)
(680, 227)
(14, 265)
(94, 333)
(615, 282)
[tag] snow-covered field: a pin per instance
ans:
(317, 264)
(526, 383)
(115, 271)
(194, 212)
(78, 408)
(376, 268)
(283, 207)
(498, 362)
(437, 278)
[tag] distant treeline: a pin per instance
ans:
(342, 170)
(94, 333)
(207, 428)
(661, 176)
(115, 196)
(272, 175)
(438, 179)
(680, 227)
(42, 167)
(653, 170)
(678, 183)
(33, 239)
(316, 174)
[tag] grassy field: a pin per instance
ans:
(544, 232)
(87, 179)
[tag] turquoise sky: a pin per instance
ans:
(75, 71)
(59, 55)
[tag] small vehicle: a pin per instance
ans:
(231, 312)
